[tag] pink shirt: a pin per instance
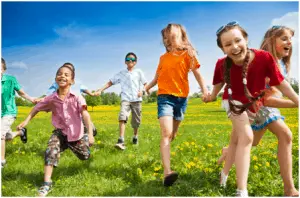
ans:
(66, 114)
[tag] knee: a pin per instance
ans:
(247, 139)
(285, 136)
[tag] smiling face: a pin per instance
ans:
(64, 77)
(234, 45)
(283, 44)
(130, 61)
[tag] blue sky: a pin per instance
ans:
(38, 37)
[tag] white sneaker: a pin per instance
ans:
(120, 146)
(241, 193)
(223, 179)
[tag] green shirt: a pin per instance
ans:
(9, 86)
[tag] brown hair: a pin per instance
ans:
(3, 63)
(238, 109)
(184, 43)
(269, 44)
(70, 65)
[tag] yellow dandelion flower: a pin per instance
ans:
(181, 149)
(23, 152)
(267, 164)
(254, 158)
(98, 142)
(210, 145)
(139, 171)
(16, 152)
(155, 174)
(255, 167)
(186, 143)
(157, 168)
(14, 142)
(193, 143)
(173, 153)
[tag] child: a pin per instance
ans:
(68, 111)
(277, 41)
(173, 88)
(83, 89)
(244, 71)
(131, 97)
(10, 85)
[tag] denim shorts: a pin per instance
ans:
(169, 105)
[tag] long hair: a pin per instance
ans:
(269, 44)
(238, 109)
(175, 38)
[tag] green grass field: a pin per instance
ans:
(137, 171)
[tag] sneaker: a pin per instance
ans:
(3, 162)
(134, 140)
(24, 136)
(120, 144)
(241, 193)
(45, 189)
(223, 179)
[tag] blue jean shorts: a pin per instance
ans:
(169, 105)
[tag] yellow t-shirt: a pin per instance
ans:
(172, 73)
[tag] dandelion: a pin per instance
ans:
(173, 153)
(254, 158)
(155, 174)
(267, 164)
(187, 144)
(193, 143)
(255, 167)
(157, 168)
(139, 171)
(98, 142)
(210, 145)
(23, 152)
(14, 142)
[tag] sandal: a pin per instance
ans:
(24, 136)
(45, 189)
(170, 179)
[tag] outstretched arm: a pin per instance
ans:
(151, 84)
(216, 89)
(201, 83)
(24, 95)
(26, 121)
(88, 92)
(98, 91)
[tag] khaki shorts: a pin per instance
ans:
(225, 105)
(136, 108)
(6, 122)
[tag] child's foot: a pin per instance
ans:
(223, 156)
(223, 179)
(134, 140)
(241, 193)
(24, 136)
(291, 193)
(44, 189)
(170, 179)
(3, 162)
(120, 144)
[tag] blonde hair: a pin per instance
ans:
(175, 38)
(269, 44)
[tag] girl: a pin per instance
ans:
(277, 41)
(173, 88)
(83, 89)
(9, 87)
(244, 71)
(68, 110)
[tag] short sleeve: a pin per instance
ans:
(44, 105)
(81, 103)
(116, 78)
(143, 79)
(273, 71)
(53, 88)
(17, 86)
(193, 62)
(159, 65)
(219, 73)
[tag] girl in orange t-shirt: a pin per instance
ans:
(173, 88)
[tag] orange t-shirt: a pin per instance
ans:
(172, 73)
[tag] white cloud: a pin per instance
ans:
(18, 65)
(291, 20)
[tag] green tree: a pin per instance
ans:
(93, 101)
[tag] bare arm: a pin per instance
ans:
(26, 121)
(88, 124)
(24, 95)
(151, 84)
(288, 91)
(88, 92)
(107, 85)
(216, 89)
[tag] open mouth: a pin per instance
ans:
(237, 54)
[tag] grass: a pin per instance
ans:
(137, 171)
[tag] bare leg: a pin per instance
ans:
(135, 131)
(166, 126)
(284, 136)
(48, 173)
(122, 128)
(176, 124)
(2, 150)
